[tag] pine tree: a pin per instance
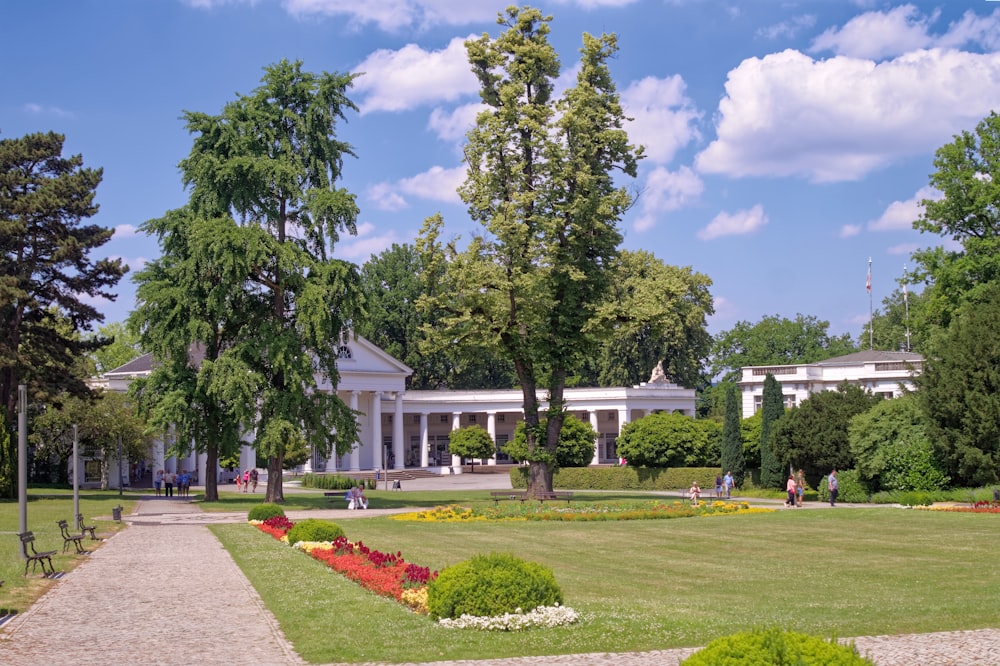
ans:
(732, 442)
(772, 408)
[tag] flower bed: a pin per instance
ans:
(640, 510)
(977, 507)
(385, 574)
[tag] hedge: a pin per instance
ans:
(624, 478)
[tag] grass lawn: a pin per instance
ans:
(650, 584)
(45, 507)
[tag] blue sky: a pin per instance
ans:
(787, 142)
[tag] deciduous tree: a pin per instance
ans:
(471, 442)
(670, 440)
(575, 448)
(541, 182)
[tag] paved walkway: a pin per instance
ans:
(165, 592)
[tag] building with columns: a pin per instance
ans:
(400, 429)
(884, 373)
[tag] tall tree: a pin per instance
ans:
(814, 435)
(772, 408)
(123, 347)
(732, 443)
(959, 390)
(775, 340)
(540, 182)
(47, 277)
(658, 314)
(967, 174)
(262, 176)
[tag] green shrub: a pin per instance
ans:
(328, 481)
(265, 511)
(623, 478)
(314, 529)
(490, 586)
(851, 488)
(774, 647)
(915, 498)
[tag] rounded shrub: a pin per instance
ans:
(490, 586)
(264, 511)
(774, 647)
(314, 529)
(915, 498)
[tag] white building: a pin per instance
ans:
(400, 429)
(880, 372)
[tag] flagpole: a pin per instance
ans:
(871, 321)
(906, 304)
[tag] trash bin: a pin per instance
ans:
(116, 513)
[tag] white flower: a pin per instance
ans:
(543, 616)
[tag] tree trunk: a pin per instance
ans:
(211, 479)
(275, 491)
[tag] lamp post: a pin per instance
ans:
(22, 457)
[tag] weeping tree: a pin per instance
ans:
(540, 182)
(264, 216)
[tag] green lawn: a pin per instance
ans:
(45, 507)
(653, 584)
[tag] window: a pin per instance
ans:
(501, 418)
(472, 418)
(444, 418)
(416, 418)
(343, 351)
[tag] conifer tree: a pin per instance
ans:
(732, 442)
(772, 407)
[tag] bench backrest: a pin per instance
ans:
(27, 540)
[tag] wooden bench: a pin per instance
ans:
(70, 538)
(497, 495)
(84, 528)
(32, 556)
(554, 495)
(352, 503)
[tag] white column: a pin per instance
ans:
(456, 423)
(159, 445)
(425, 444)
(202, 468)
(491, 428)
(593, 414)
(397, 433)
(622, 419)
(376, 417)
(355, 455)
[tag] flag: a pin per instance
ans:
(868, 282)
(906, 300)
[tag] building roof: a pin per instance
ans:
(871, 356)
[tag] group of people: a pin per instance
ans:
(169, 481)
(247, 480)
(724, 486)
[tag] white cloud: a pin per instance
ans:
(125, 231)
(849, 230)
(879, 34)
(905, 28)
(667, 191)
(365, 244)
(385, 197)
(664, 117)
(410, 77)
(452, 125)
(904, 248)
(737, 224)
(595, 4)
(832, 120)
(788, 29)
(394, 15)
(435, 184)
(42, 110)
(901, 214)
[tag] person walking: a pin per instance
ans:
(239, 481)
(169, 478)
(790, 489)
(158, 481)
(718, 486)
(253, 479)
(800, 485)
(833, 485)
(729, 483)
(246, 480)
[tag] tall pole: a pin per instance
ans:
(871, 320)
(76, 471)
(22, 457)
(121, 484)
(906, 304)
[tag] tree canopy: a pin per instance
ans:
(270, 304)
(471, 442)
(772, 409)
(48, 279)
(575, 448)
(670, 440)
(731, 458)
(540, 182)
(775, 340)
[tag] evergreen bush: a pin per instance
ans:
(490, 586)
(314, 529)
(328, 481)
(774, 647)
(264, 511)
